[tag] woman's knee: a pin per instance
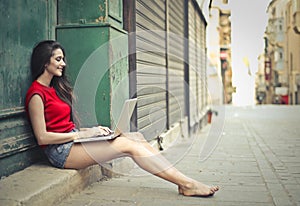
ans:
(123, 144)
(135, 136)
(130, 146)
(139, 135)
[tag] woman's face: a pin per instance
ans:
(57, 63)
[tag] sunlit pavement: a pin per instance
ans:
(255, 162)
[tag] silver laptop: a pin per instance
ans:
(122, 125)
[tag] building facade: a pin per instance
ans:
(152, 50)
(282, 49)
(219, 52)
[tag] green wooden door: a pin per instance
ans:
(23, 24)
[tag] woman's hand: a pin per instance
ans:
(94, 131)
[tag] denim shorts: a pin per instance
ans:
(58, 153)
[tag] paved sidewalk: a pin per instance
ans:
(256, 162)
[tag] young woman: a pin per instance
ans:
(48, 103)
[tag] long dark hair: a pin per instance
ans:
(41, 55)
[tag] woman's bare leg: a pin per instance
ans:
(165, 170)
(149, 159)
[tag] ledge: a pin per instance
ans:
(42, 184)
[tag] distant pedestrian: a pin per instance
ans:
(48, 104)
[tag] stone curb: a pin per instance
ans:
(41, 184)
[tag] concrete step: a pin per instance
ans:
(42, 184)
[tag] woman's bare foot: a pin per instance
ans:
(197, 189)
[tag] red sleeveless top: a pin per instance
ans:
(57, 112)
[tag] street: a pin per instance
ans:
(255, 162)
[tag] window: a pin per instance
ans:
(274, 11)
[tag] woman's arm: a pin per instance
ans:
(36, 114)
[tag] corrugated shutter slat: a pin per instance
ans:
(151, 67)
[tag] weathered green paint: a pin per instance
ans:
(90, 12)
(77, 53)
(88, 47)
(20, 160)
(89, 31)
(23, 24)
(20, 30)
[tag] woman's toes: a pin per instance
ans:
(215, 188)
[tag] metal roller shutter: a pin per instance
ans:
(203, 68)
(199, 63)
(151, 67)
(192, 65)
(175, 61)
